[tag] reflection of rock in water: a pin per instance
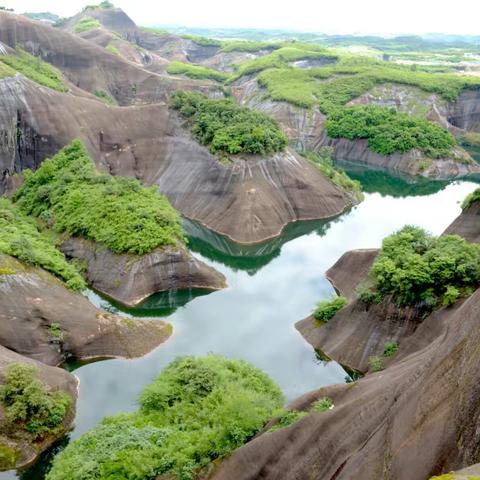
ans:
(249, 258)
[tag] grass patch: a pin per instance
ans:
(419, 269)
(228, 128)
(196, 411)
(375, 363)
(55, 330)
(33, 68)
(326, 309)
(21, 239)
(8, 457)
(30, 405)
(323, 160)
(203, 41)
(288, 418)
(388, 131)
(390, 349)
(112, 49)
(69, 193)
(250, 46)
(196, 71)
(105, 97)
(322, 405)
(86, 24)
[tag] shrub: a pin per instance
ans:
(323, 160)
(112, 49)
(322, 404)
(390, 349)
(21, 238)
(29, 404)
(420, 269)
(115, 211)
(105, 97)
(287, 418)
(196, 411)
(326, 309)
(86, 24)
(375, 363)
(34, 68)
(8, 457)
(226, 127)
(470, 199)
(196, 71)
(389, 131)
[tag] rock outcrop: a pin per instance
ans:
(17, 441)
(42, 320)
(467, 224)
(130, 279)
(250, 200)
(415, 419)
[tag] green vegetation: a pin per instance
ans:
(203, 41)
(196, 71)
(323, 160)
(196, 411)
(417, 268)
(471, 139)
(8, 456)
(228, 128)
(112, 49)
(103, 5)
(375, 363)
(21, 239)
(322, 405)
(471, 198)
(389, 131)
(326, 309)
(33, 68)
(67, 192)
(390, 349)
(29, 405)
(248, 46)
(447, 476)
(86, 24)
(55, 330)
(287, 418)
(105, 97)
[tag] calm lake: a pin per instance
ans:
(270, 287)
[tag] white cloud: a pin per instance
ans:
(338, 16)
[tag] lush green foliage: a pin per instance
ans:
(375, 363)
(323, 160)
(227, 127)
(389, 131)
(390, 349)
(328, 308)
(197, 410)
(21, 238)
(248, 46)
(471, 198)
(35, 69)
(105, 97)
(196, 71)
(69, 193)
(86, 24)
(420, 269)
(29, 404)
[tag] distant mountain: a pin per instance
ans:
(47, 17)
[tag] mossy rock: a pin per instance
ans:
(8, 457)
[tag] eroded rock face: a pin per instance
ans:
(467, 224)
(249, 200)
(42, 320)
(415, 419)
(129, 279)
(465, 112)
(54, 379)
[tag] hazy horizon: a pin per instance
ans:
(371, 17)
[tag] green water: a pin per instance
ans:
(270, 287)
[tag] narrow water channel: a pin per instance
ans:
(270, 287)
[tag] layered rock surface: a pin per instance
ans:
(42, 320)
(130, 279)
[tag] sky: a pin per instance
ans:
(331, 16)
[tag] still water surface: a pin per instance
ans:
(270, 287)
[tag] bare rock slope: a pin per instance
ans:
(129, 279)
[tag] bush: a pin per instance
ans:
(328, 308)
(375, 363)
(470, 199)
(29, 404)
(322, 404)
(105, 97)
(420, 269)
(115, 211)
(323, 160)
(21, 238)
(389, 131)
(35, 69)
(86, 24)
(196, 411)
(196, 71)
(286, 419)
(390, 349)
(228, 128)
